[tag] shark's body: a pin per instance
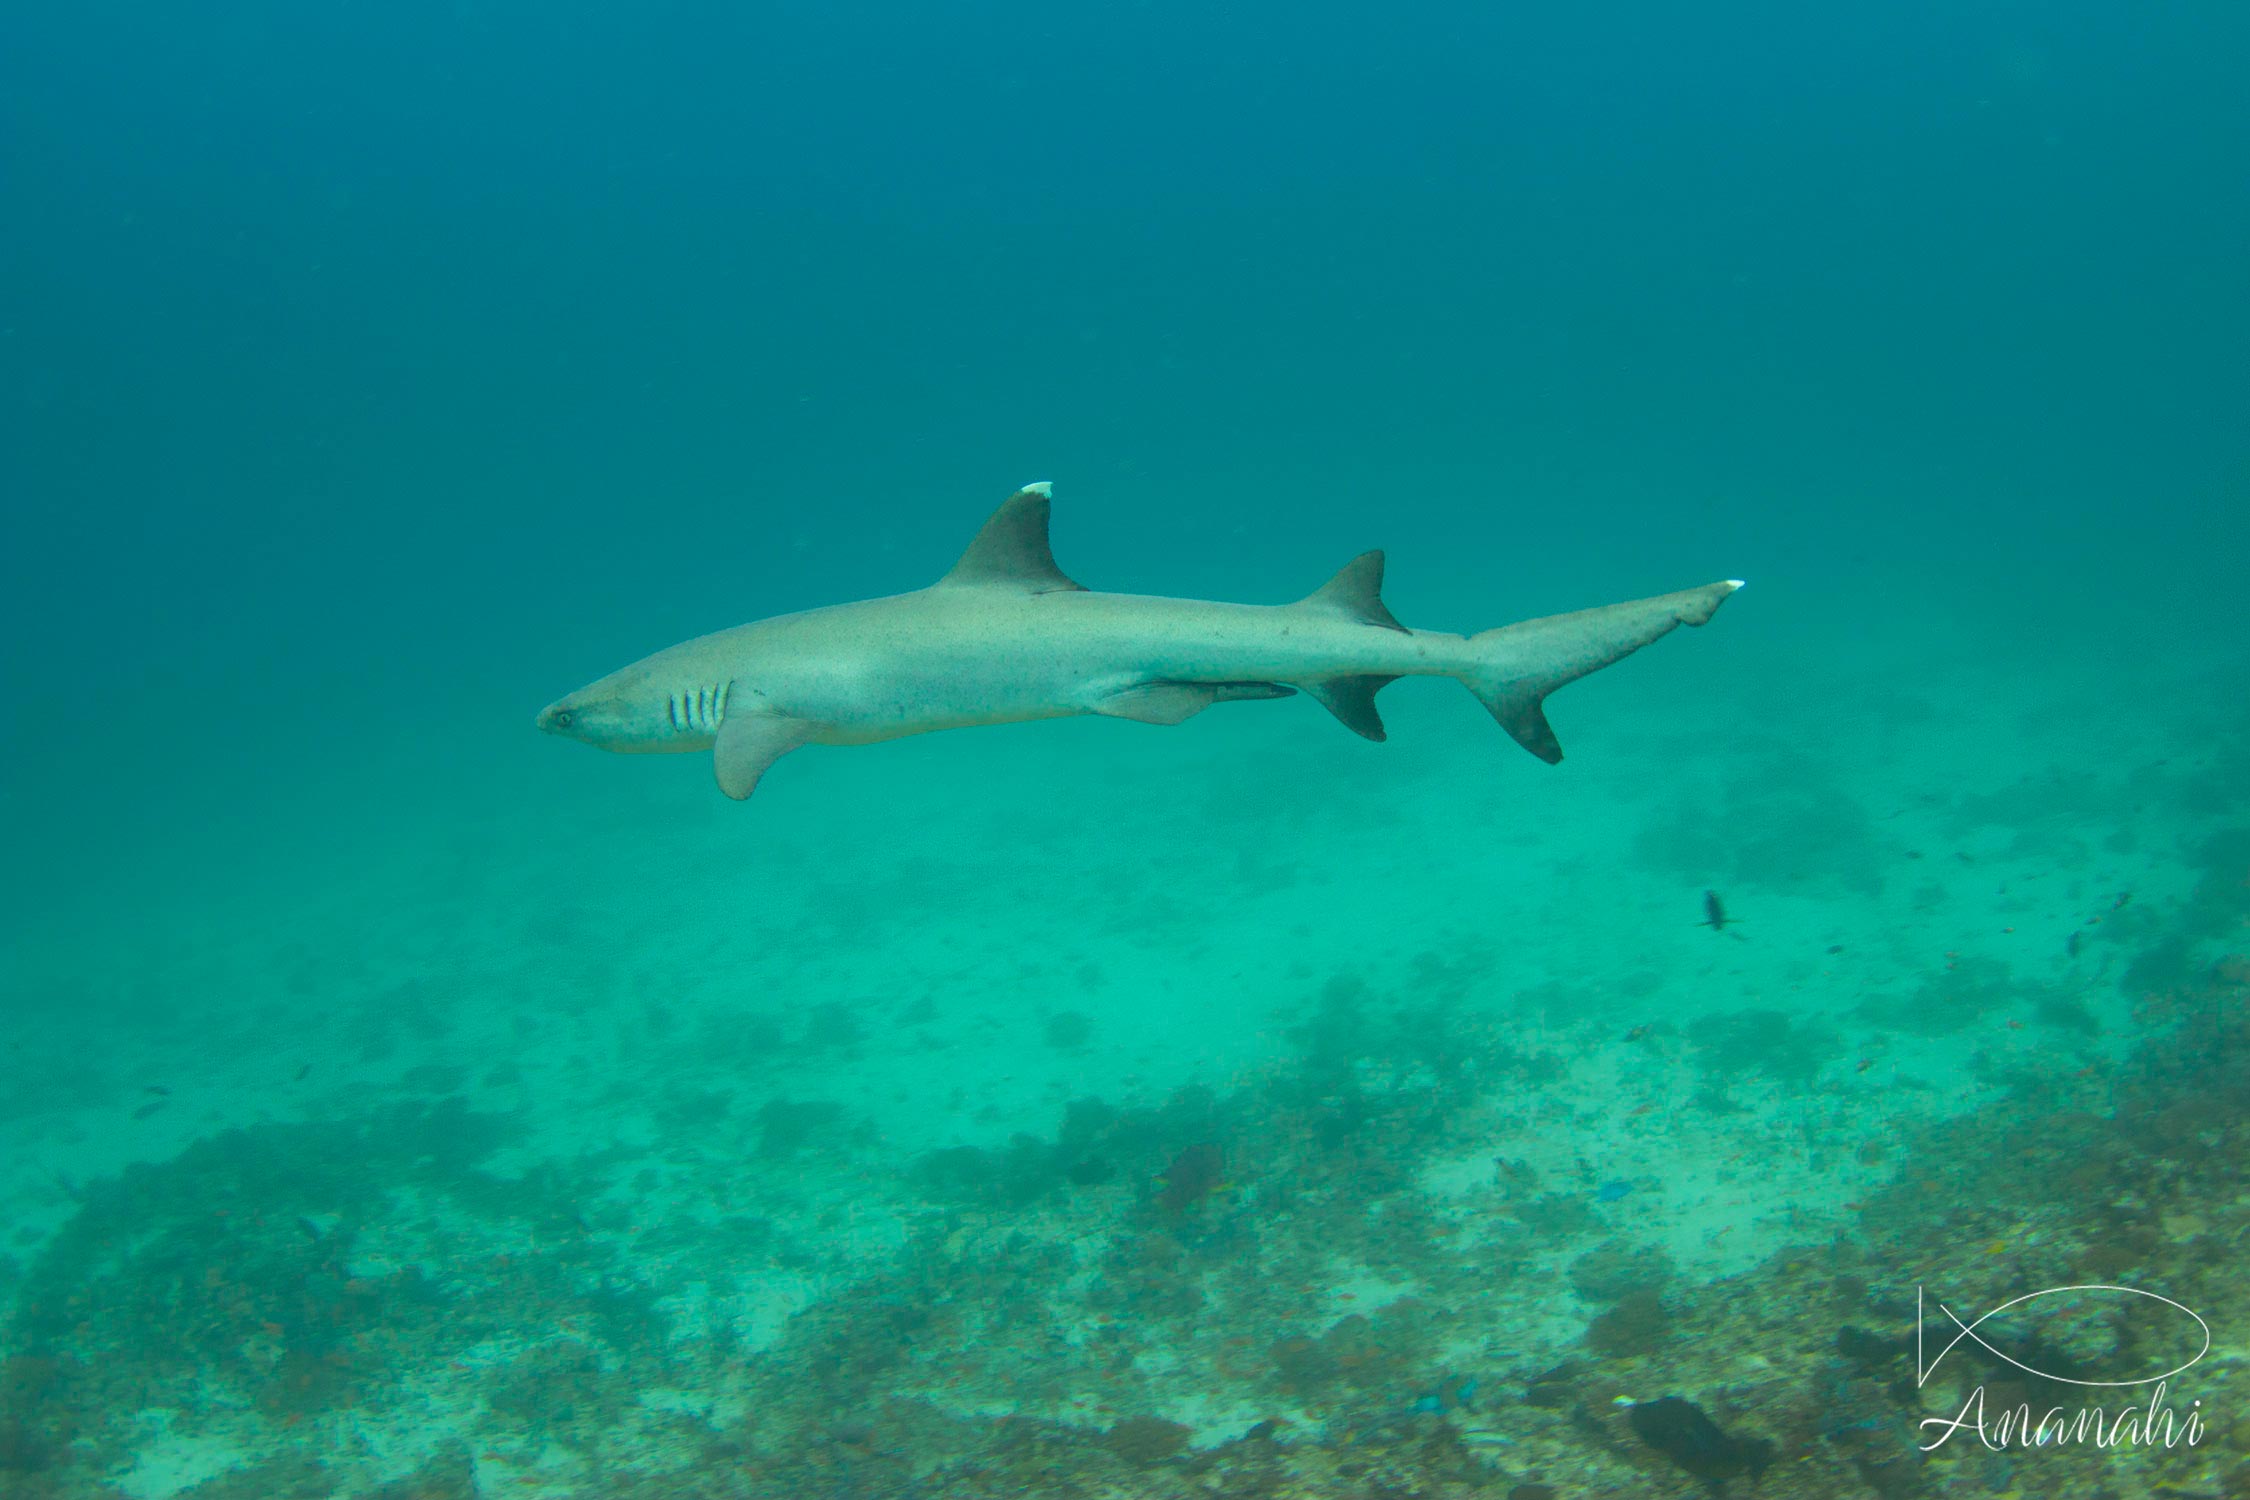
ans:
(1007, 636)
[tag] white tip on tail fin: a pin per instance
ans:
(1521, 664)
(1047, 487)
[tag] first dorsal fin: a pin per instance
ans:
(1357, 592)
(1011, 552)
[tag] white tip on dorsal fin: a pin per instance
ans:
(1355, 592)
(1011, 551)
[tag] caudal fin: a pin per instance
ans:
(1519, 665)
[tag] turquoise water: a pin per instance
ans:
(397, 1101)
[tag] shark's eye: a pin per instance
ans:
(565, 717)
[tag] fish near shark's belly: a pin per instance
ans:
(922, 664)
(960, 660)
(923, 698)
(1140, 639)
(916, 684)
(1056, 658)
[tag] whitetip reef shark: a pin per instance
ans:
(1007, 636)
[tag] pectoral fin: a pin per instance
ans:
(1172, 702)
(749, 742)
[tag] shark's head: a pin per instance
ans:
(605, 720)
(638, 711)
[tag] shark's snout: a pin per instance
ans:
(559, 718)
(610, 719)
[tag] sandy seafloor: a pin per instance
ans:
(587, 1135)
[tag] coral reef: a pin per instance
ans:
(1359, 1294)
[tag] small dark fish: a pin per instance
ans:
(156, 1088)
(151, 1108)
(304, 1071)
(1680, 1431)
(1640, 1032)
(1714, 913)
(2071, 946)
(1195, 1174)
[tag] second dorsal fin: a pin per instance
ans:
(1011, 552)
(1357, 592)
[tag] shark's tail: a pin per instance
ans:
(1519, 665)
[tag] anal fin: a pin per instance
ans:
(1352, 701)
